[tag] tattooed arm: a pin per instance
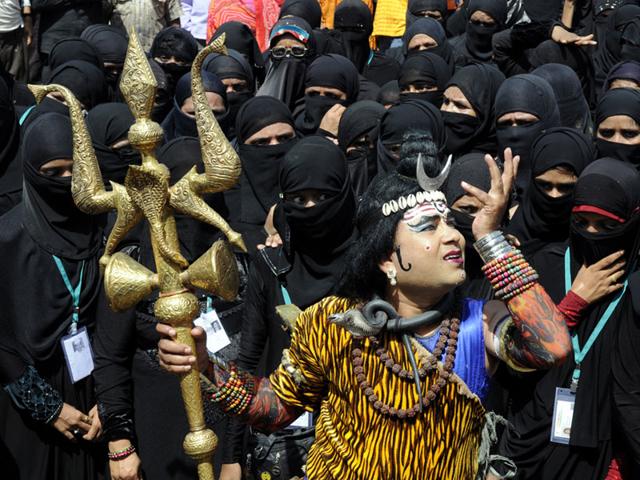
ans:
(528, 332)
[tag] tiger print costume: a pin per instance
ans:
(354, 441)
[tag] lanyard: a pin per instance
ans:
(285, 295)
(74, 292)
(209, 304)
(578, 353)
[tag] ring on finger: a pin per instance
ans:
(75, 431)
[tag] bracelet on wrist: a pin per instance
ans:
(121, 454)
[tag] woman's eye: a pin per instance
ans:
(630, 133)
(606, 132)
(566, 189)
(332, 95)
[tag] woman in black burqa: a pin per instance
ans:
(604, 220)
(44, 417)
(558, 157)
(617, 132)
(474, 129)
(315, 221)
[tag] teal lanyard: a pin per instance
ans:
(285, 295)
(209, 304)
(24, 116)
(578, 353)
(74, 292)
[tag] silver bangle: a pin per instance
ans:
(492, 246)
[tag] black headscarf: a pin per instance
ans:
(309, 10)
(109, 41)
(232, 65)
(109, 123)
(112, 44)
(180, 155)
(179, 124)
(628, 70)
(530, 94)
(540, 219)
(630, 40)
(470, 168)
(316, 239)
(260, 163)
(51, 217)
(434, 29)
(573, 107)
(86, 81)
(175, 42)
(424, 69)
(478, 37)
(575, 57)
(285, 77)
(415, 7)
(610, 186)
(609, 50)
(10, 168)
(164, 93)
(355, 22)
(479, 83)
(240, 38)
(416, 115)
(361, 118)
(389, 93)
(619, 101)
(74, 48)
(332, 71)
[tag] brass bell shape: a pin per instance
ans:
(215, 272)
(127, 282)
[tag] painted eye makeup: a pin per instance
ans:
(423, 223)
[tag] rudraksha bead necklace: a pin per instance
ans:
(448, 336)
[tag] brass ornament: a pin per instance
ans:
(146, 194)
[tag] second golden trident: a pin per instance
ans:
(146, 194)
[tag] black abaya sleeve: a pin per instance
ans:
(253, 341)
(114, 344)
(626, 385)
(510, 46)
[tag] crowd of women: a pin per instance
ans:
(315, 120)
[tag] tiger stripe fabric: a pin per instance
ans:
(354, 441)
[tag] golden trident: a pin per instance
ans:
(146, 194)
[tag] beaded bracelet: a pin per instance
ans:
(121, 454)
(235, 395)
(508, 271)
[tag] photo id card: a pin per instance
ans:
(217, 337)
(562, 415)
(78, 354)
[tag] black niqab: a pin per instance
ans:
(10, 168)
(285, 77)
(174, 42)
(573, 107)
(416, 7)
(179, 124)
(421, 70)
(432, 28)
(232, 65)
(355, 22)
(412, 115)
(239, 38)
(74, 49)
(51, 216)
(316, 239)
(331, 71)
(361, 118)
(86, 81)
(619, 101)
(628, 70)
(260, 163)
(541, 219)
(109, 123)
(479, 83)
(478, 35)
(110, 42)
(389, 93)
(530, 94)
(309, 10)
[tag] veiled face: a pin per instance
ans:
(429, 252)
(619, 129)
(421, 42)
(455, 101)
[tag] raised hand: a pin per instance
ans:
(496, 200)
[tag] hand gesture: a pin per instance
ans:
(496, 200)
(331, 119)
(596, 281)
(565, 37)
(71, 422)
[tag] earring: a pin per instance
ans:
(391, 275)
